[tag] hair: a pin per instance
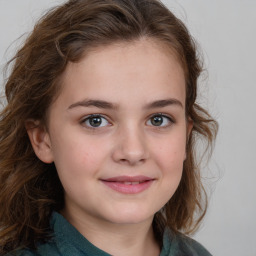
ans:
(30, 190)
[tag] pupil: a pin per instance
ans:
(157, 120)
(95, 121)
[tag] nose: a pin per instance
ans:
(130, 147)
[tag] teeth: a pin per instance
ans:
(131, 183)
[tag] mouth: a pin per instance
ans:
(128, 184)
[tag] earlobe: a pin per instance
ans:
(40, 140)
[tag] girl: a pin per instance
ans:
(97, 139)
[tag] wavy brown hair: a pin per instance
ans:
(30, 189)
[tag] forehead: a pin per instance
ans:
(142, 64)
(155, 48)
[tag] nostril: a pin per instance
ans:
(132, 161)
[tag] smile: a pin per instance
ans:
(128, 184)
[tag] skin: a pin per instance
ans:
(130, 77)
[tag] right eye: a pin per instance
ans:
(95, 121)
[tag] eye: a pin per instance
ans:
(159, 120)
(95, 121)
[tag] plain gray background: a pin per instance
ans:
(226, 32)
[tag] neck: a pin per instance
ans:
(117, 239)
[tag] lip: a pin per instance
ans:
(128, 184)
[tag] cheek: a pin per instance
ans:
(78, 163)
(172, 151)
(79, 155)
(169, 158)
(90, 157)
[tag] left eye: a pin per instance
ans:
(95, 121)
(159, 120)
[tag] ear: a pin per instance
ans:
(40, 140)
(190, 125)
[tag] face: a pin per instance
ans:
(117, 132)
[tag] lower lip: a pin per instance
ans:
(128, 188)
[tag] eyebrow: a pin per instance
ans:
(164, 103)
(93, 103)
(108, 105)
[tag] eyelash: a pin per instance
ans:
(87, 118)
(163, 116)
(170, 120)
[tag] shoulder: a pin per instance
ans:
(42, 250)
(21, 253)
(181, 245)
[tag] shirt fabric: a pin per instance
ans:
(67, 241)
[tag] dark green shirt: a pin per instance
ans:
(67, 241)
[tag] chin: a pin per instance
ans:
(131, 217)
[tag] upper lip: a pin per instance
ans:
(139, 178)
